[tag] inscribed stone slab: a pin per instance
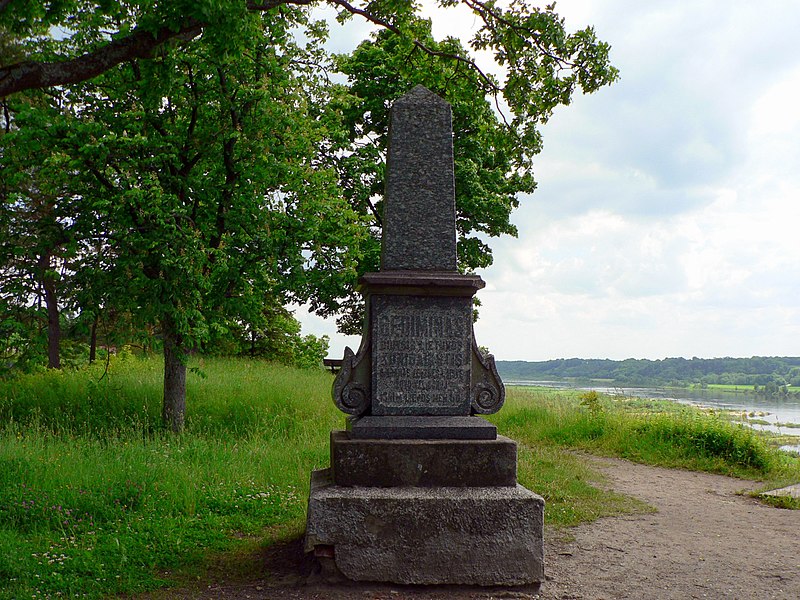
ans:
(421, 355)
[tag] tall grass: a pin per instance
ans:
(672, 436)
(95, 498)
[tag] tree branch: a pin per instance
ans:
(395, 29)
(139, 44)
(104, 181)
(487, 13)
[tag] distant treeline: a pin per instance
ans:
(758, 370)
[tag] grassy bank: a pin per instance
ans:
(739, 389)
(656, 432)
(96, 499)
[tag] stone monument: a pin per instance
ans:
(422, 490)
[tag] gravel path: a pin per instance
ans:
(706, 540)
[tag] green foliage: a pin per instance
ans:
(710, 438)
(193, 201)
(774, 371)
(275, 336)
(787, 502)
(591, 401)
(214, 197)
(669, 435)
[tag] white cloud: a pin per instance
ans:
(668, 210)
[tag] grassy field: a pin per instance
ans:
(96, 499)
(728, 387)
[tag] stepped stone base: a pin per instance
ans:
(488, 536)
(423, 463)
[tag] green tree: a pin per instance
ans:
(543, 63)
(277, 337)
(197, 170)
(202, 139)
(493, 159)
(39, 228)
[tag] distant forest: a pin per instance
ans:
(769, 371)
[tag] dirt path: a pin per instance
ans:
(704, 541)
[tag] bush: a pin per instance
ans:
(708, 437)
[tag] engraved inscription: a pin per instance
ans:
(421, 355)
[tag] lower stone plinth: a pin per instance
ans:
(488, 536)
(423, 463)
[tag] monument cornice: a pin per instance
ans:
(420, 283)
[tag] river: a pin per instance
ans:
(778, 414)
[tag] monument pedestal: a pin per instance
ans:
(490, 536)
(426, 511)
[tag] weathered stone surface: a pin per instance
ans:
(421, 355)
(422, 428)
(423, 463)
(791, 491)
(443, 535)
(418, 355)
(419, 213)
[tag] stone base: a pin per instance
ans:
(488, 536)
(423, 463)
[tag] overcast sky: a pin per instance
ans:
(667, 217)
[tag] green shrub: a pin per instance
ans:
(707, 437)
(591, 401)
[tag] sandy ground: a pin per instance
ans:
(706, 540)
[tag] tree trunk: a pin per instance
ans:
(51, 303)
(174, 408)
(93, 341)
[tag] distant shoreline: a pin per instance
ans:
(768, 375)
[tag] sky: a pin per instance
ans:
(667, 216)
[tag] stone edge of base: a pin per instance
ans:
(501, 543)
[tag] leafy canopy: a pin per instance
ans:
(215, 164)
